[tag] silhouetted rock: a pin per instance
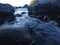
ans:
(18, 15)
(49, 9)
(25, 6)
(6, 13)
(17, 7)
(14, 35)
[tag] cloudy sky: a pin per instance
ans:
(16, 2)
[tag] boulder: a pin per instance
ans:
(14, 35)
(6, 13)
(44, 33)
(49, 9)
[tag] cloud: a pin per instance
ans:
(16, 2)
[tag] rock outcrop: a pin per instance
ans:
(14, 35)
(45, 7)
(6, 13)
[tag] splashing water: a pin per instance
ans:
(24, 14)
(25, 18)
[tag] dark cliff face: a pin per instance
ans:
(6, 13)
(50, 9)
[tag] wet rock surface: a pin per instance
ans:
(26, 30)
(32, 32)
(44, 33)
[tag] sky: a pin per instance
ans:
(16, 2)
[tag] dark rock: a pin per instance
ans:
(44, 33)
(14, 35)
(23, 13)
(18, 15)
(33, 32)
(6, 13)
(25, 6)
(50, 9)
